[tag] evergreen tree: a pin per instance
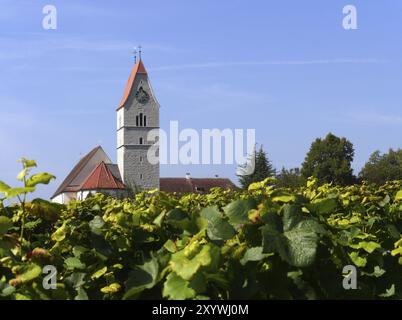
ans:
(330, 160)
(262, 170)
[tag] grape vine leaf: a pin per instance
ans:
(176, 288)
(237, 211)
(217, 227)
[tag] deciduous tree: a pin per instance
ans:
(329, 160)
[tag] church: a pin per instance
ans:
(137, 115)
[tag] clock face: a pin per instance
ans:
(142, 96)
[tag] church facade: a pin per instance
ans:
(137, 117)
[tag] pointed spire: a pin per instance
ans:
(138, 68)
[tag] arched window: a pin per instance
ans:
(141, 176)
(141, 159)
(145, 121)
(141, 140)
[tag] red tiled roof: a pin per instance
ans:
(66, 184)
(137, 69)
(101, 178)
(194, 185)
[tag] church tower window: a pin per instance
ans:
(141, 140)
(141, 118)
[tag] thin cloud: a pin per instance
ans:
(37, 46)
(373, 118)
(268, 63)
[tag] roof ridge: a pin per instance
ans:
(110, 175)
(103, 170)
(76, 170)
(90, 175)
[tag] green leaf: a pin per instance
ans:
(141, 278)
(159, 219)
(325, 206)
(398, 196)
(96, 224)
(176, 288)
(39, 178)
(27, 163)
(33, 224)
(378, 272)
(60, 233)
(176, 214)
(112, 288)
(368, 246)
(186, 267)
(285, 198)
(217, 227)
(23, 173)
(253, 254)
(170, 246)
(5, 289)
(393, 231)
(5, 224)
(298, 244)
(302, 244)
(357, 260)
(291, 216)
(14, 192)
(74, 263)
(81, 294)
(76, 279)
(79, 250)
(384, 201)
(388, 293)
(181, 220)
(3, 187)
(99, 273)
(237, 211)
(30, 272)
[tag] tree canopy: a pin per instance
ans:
(290, 178)
(381, 168)
(329, 160)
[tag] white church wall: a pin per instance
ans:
(64, 198)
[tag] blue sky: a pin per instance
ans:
(286, 68)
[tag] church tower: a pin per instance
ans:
(137, 115)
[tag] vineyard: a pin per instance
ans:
(263, 243)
